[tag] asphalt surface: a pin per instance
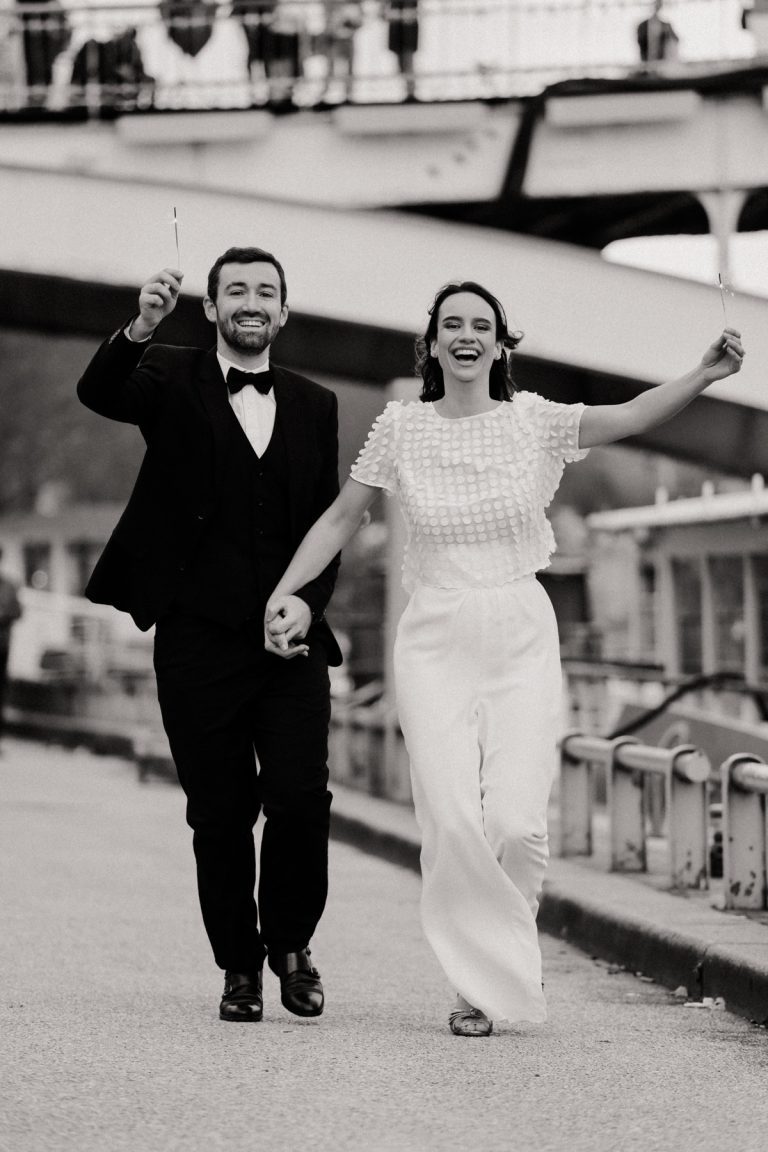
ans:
(110, 1039)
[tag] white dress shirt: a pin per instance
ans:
(255, 413)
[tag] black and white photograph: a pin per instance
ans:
(383, 575)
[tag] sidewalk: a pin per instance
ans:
(679, 940)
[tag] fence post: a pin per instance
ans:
(575, 802)
(626, 810)
(687, 815)
(745, 783)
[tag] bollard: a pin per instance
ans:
(626, 811)
(745, 831)
(687, 815)
(576, 801)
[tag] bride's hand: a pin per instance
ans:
(724, 356)
(286, 622)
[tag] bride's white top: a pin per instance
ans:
(474, 489)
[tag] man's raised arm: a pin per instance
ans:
(111, 385)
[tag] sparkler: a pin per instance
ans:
(726, 297)
(176, 234)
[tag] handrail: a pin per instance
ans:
(749, 774)
(687, 777)
(688, 763)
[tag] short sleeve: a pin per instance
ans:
(556, 426)
(376, 463)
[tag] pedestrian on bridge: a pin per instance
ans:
(241, 459)
(656, 38)
(474, 464)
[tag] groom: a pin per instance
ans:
(241, 458)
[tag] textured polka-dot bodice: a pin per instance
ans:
(473, 490)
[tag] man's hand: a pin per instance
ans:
(157, 300)
(286, 623)
(724, 356)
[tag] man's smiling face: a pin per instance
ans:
(247, 311)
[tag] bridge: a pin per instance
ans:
(360, 283)
(491, 178)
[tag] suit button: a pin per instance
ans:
(201, 516)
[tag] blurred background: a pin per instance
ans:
(600, 164)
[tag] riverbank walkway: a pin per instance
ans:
(110, 1038)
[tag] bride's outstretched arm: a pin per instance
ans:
(283, 624)
(603, 424)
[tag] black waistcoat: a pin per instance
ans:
(246, 544)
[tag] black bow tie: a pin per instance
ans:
(237, 379)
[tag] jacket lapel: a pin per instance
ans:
(294, 427)
(212, 390)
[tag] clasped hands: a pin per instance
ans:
(286, 623)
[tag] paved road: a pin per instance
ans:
(110, 1042)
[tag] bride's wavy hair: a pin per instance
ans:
(502, 386)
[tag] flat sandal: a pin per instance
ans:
(469, 1022)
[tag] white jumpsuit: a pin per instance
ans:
(477, 673)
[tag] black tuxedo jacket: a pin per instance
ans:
(178, 399)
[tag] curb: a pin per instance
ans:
(673, 959)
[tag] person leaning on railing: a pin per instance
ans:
(656, 38)
(403, 38)
(46, 33)
(343, 19)
(116, 66)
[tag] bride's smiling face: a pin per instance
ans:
(465, 343)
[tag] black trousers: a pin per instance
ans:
(249, 734)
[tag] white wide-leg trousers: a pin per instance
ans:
(478, 685)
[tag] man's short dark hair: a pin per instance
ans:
(245, 256)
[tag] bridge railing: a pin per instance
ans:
(106, 58)
(694, 825)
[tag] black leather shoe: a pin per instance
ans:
(300, 989)
(242, 997)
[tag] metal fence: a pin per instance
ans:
(103, 58)
(695, 827)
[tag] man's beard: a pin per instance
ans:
(252, 341)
